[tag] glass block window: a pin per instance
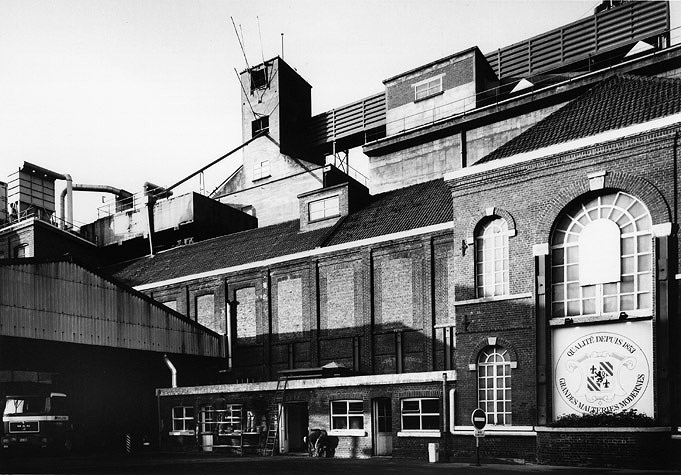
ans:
(601, 258)
(491, 259)
(183, 418)
(420, 414)
(205, 311)
(427, 88)
(494, 385)
(325, 208)
(347, 415)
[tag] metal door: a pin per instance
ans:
(383, 426)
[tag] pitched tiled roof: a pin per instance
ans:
(408, 208)
(220, 252)
(617, 102)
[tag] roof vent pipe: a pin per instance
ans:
(173, 370)
(71, 187)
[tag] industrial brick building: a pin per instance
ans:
(514, 247)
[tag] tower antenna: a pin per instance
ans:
(282, 46)
(262, 51)
(240, 44)
(255, 115)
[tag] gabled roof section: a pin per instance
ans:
(61, 300)
(621, 101)
(405, 209)
(413, 207)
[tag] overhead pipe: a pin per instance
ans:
(68, 192)
(173, 370)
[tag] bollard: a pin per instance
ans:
(433, 452)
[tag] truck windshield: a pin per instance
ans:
(24, 405)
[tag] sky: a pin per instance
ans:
(120, 92)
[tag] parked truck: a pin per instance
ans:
(38, 420)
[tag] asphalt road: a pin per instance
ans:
(208, 464)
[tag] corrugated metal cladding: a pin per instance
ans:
(62, 301)
(619, 26)
(352, 119)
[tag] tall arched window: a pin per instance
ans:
(491, 258)
(494, 384)
(601, 258)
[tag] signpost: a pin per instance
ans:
(479, 420)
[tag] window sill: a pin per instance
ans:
(420, 433)
(181, 432)
(508, 431)
(430, 96)
(325, 218)
(348, 433)
(494, 299)
(262, 178)
(607, 317)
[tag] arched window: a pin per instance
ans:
(491, 258)
(494, 384)
(601, 258)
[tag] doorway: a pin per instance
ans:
(382, 426)
(295, 427)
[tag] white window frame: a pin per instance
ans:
(492, 276)
(494, 385)
(347, 415)
(420, 414)
(261, 169)
(182, 420)
(328, 207)
(427, 88)
(633, 292)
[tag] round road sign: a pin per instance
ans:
(479, 418)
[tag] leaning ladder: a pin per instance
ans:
(276, 407)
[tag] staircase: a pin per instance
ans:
(276, 407)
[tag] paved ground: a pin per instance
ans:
(208, 464)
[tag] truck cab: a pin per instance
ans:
(38, 420)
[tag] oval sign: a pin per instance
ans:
(602, 372)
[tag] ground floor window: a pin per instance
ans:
(347, 415)
(183, 418)
(494, 384)
(420, 414)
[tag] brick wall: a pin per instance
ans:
(604, 449)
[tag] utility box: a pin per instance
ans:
(433, 452)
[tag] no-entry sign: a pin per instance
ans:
(479, 419)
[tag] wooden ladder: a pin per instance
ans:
(276, 407)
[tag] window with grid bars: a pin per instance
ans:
(494, 385)
(325, 208)
(183, 418)
(420, 414)
(347, 415)
(427, 88)
(491, 259)
(601, 258)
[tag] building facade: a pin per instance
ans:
(513, 248)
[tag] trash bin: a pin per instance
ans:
(207, 442)
(433, 452)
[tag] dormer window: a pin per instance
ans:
(261, 125)
(324, 208)
(429, 87)
(261, 170)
